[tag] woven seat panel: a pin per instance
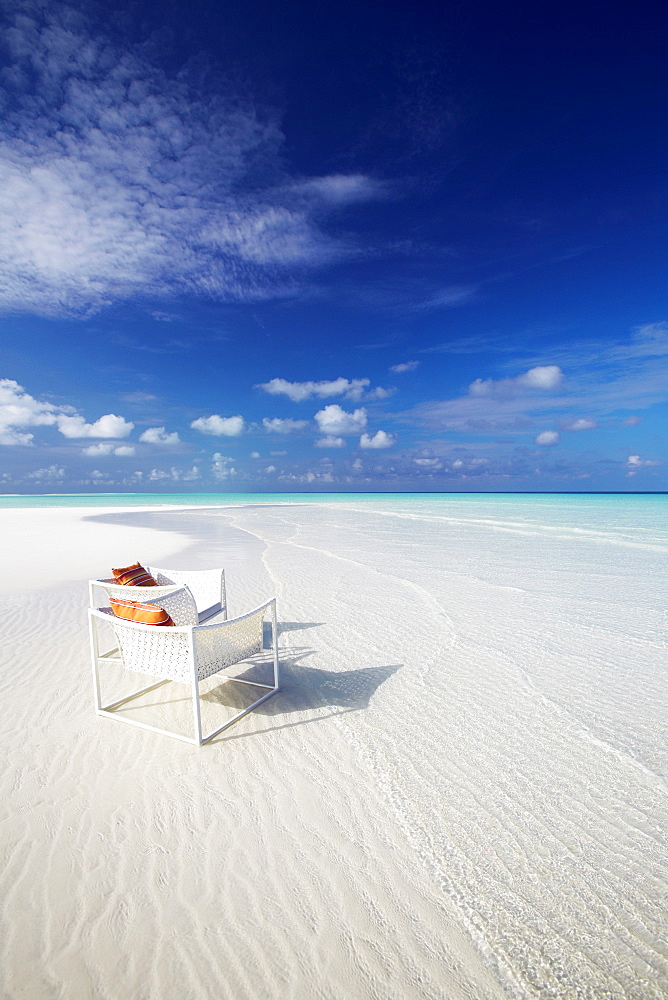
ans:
(157, 651)
(135, 593)
(218, 647)
(203, 584)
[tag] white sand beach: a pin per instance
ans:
(460, 791)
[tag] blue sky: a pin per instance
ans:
(373, 246)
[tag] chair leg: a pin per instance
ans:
(196, 713)
(94, 653)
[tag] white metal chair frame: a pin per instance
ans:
(187, 653)
(207, 587)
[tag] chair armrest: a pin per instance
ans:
(212, 626)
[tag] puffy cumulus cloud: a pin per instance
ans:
(119, 180)
(405, 366)
(330, 442)
(381, 439)
(541, 378)
(279, 425)
(219, 426)
(98, 450)
(270, 469)
(635, 463)
(299, 391)
(581, 424)
(108, 426)
(221, 466)
(18, 409)
(174, 474)
(333, 420)
(159, 436)
(429, 463)
(52, 473)
(547, 438)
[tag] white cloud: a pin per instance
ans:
(219, 426)
(357, 465)
(50, 474)
(429, 463)
(255, 454)
(270, 469)
(221, 466)
(381, 439)
(334, 420)
(405, 366)
(547, 438)
(177, 475)
(635, 463)
(330, 442)
(279, 425)
(379, 393)
(117, 179)
(631, 421)
(298, 391)
(648, 340)
(108, 449)
(108, 426)
(542, 377)
(158, 435)
(581, 424)
(341, 189)
(18, 409)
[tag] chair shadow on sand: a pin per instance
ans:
(305, 688)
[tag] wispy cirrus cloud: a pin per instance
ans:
(404, 366)
(117, 180)
(577, 385)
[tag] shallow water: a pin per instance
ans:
(522, 745)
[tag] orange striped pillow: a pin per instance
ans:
(134, 576)
(134, 611)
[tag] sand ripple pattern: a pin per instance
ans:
(459, 793)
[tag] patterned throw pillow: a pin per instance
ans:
(134, 611)
(134, 576)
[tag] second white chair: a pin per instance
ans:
(206, 585)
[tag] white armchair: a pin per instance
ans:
(187, 653)
(206, 585)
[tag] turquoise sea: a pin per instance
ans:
(644, 515)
